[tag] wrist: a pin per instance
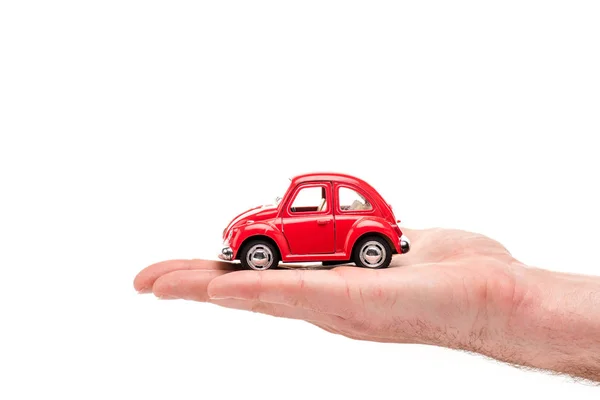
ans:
(553, 323)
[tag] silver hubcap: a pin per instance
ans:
(372, 254)
(259, 257)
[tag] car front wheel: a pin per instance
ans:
(372, 252)
(259, 255)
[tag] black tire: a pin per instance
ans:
(269, 252)
(370, 246)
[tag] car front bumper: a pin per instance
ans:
(404, 244)
(226, 254)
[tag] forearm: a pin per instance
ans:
(554, 324)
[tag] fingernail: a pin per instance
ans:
(144, 291)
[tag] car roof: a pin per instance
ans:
(330, 176)
(344, 178)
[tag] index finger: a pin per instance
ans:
(145, 278)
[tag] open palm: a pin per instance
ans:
(450, 290)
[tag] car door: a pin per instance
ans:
(351, 205)
(308, 223)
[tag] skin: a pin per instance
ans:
(454, 289)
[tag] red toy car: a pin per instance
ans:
(327, 217)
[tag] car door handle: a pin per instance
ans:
(323, 221)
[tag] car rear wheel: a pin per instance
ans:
(259, 255)
(372, 252)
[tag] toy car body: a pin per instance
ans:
(327, 217)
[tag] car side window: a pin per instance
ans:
(351, 200)
(310, 199)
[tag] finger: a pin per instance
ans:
(185, 284)
(276, 310)
(145, 279)
(323, 291)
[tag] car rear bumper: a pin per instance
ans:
(404, 244)
(226, 254)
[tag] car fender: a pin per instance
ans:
(371, 224)
(262, 228)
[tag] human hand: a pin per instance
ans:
(453, 289)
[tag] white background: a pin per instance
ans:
(132, 131)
